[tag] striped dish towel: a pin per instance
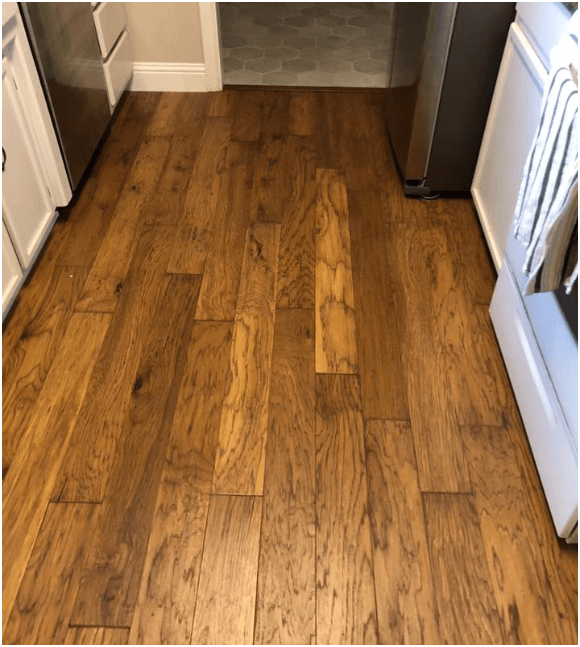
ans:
(546, 217)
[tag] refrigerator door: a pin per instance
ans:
(67, 54)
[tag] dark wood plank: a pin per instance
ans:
(110, 584)
(329, 137)
(226, 595)
(96, 636)
(43, 605)
(196, 228)
(239, 467)
(223, 104)
(94, 443)
(25, 368)
(345, 595)
(406, 607)
(378, 320)
(303, 114)
(193, 117)
(221, 276)
(248, 110)
(297, 247)
(336, 350)
(108, 272)
(175, 109)
(460, 574)
(285, 607)
(41, 451)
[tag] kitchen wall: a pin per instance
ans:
(165, 32)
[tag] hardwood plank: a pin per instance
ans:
(196, 229)
(336, 350)
(96, 636)
(167, 203)
(167, 594)
(110, 584)
(193, 117)
(460, 574)
(93, 445)
(406, 607)
(106, 277)
(345, 595)
(223, 104)
(329, 137)
(297, 247)
(440, 459)
(43, 605)
(239, 467)
(248, 110)
(224, 613)
(303, 117)
(531, 611)
(175, 108)
(221, 276)
(285, 607)
(377, 316)
(25, 496)
(194, 436)
(25, 368)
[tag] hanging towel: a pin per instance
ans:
(546, 214)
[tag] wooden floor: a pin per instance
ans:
(253, 394)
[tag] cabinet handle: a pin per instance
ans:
(3, 159)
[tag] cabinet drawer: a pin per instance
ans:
(554, 451)
(543, 23)
(119, 68)
(110, 21)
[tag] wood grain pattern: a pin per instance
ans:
(110, 584)
(196, 228)
(303, 113)
(167, 594)
(222, 271)
(223, 104)
(93, 445)
(41, 450)
(330, 147)
(25, 368)
(518, 563)
(406, 608)
(297, 247)
(225, 609)
(96, 636)
(378, 319)
(176, 110)
(440, 459)
(248, 110)
(336, 350)
(108, 272)
(239, 467)
(460, 574)
(345, 595)
(285, 608)
(47, 593)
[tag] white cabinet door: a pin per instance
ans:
(11, 272)
(511, 124)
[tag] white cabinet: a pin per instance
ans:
(11, 271)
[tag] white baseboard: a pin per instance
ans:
(169, 77)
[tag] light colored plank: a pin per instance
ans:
(41, 451)
(109, 270)
(345, 594)
(406, 606)
(225, 608)
(24, 369)
(336, 350)
(520, 566)
(94, 443)
(285, 609)
(467, 609)
(167, 595)
(378, 320)
(96, 636)
(110, 585)
(297, 254)
(239, 467)
(47, 593)
(196, 229)
(221, 276)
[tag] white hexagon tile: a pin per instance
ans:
(315, 44)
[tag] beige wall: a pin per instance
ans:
(165, 32)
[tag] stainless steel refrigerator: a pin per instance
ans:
(64, 43)
(445, 63)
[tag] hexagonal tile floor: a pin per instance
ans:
(335, 44)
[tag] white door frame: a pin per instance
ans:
(208, 18)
